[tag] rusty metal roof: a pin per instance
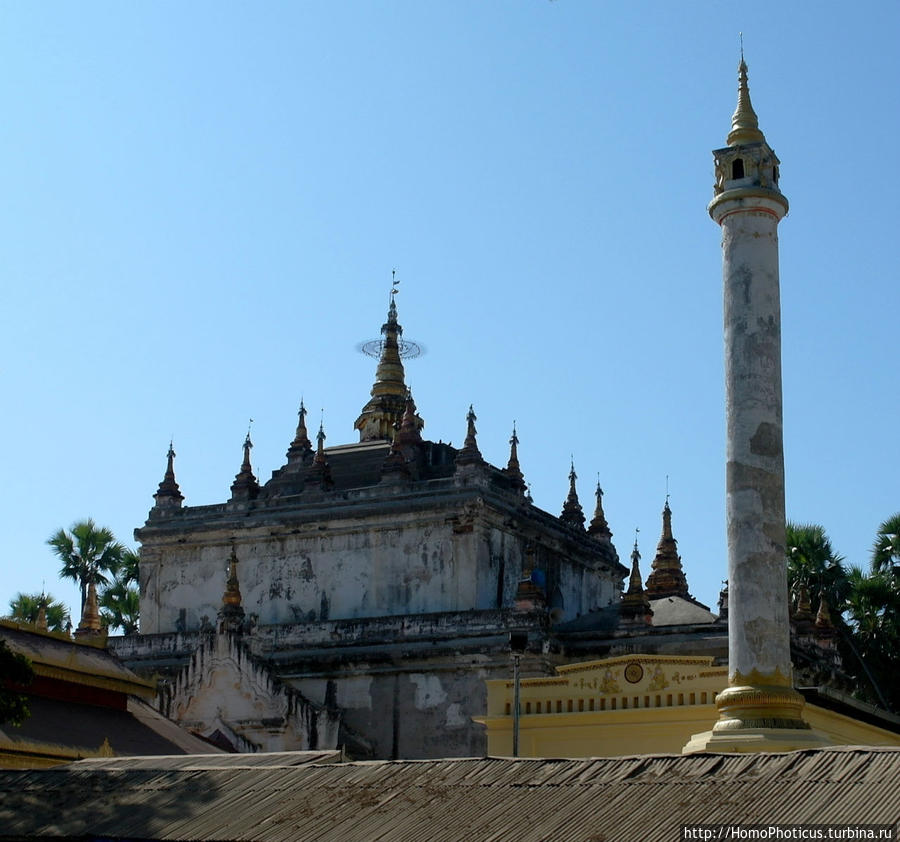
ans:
(645, 798)
(198, 762)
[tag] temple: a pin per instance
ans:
(371, 586)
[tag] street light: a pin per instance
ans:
(518, 643)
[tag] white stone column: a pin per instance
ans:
(759, 710)
(758, 640)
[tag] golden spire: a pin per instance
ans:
(231, 614)
(744, 122)
(823, 616)
(40, 622)
(389, 374)
(381, 416)
(804, 608)
(90, 618)
(232, 595)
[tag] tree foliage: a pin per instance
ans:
(120, 599)
(813, 562)
(26, 607)
(865, 605)
(886, 549)
(89, 554)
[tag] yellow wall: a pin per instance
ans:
(637, 704)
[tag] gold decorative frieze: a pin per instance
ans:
(756, 678)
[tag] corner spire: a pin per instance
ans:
(169, 495)
(667, 578)
(599, 528)
(572, 512)
(470, 454)
(744, 122)
(245, 485)
(513, 469)
(301, 447)
(382, 415)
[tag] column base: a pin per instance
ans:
(746, 740)
(758, 718)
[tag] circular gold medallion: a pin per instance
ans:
(634, 672)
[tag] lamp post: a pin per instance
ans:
(518, 642)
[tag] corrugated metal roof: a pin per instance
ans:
(198, 762)
(639, 798)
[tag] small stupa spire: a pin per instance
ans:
(635, 606)
(823, 615)
(572, 512)
(409, 433)
(168, 495)
(245, 485)
(40, 621)
(320, 444)
(301, 447)
(744, 122)
(90, 625)
(231, 614)
(470, 454)
(513, 470)
(599, 528)
(803, 612)
(232, 595)
(401, 459)
(320, 467)
(667, 578)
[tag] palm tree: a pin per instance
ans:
(120, 607)
(813, 562)
(88, 552)
(873, 609)
(128, 568)
(120, 599)
(25, 607)
(886, 550)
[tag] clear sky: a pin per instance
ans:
(202, 203)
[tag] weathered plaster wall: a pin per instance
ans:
(346, 567)
(401, 686)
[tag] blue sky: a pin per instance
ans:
(203, 203)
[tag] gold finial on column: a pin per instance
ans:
(744, 122)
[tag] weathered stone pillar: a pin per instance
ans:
(759, 710)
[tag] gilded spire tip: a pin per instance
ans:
(744, 122)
